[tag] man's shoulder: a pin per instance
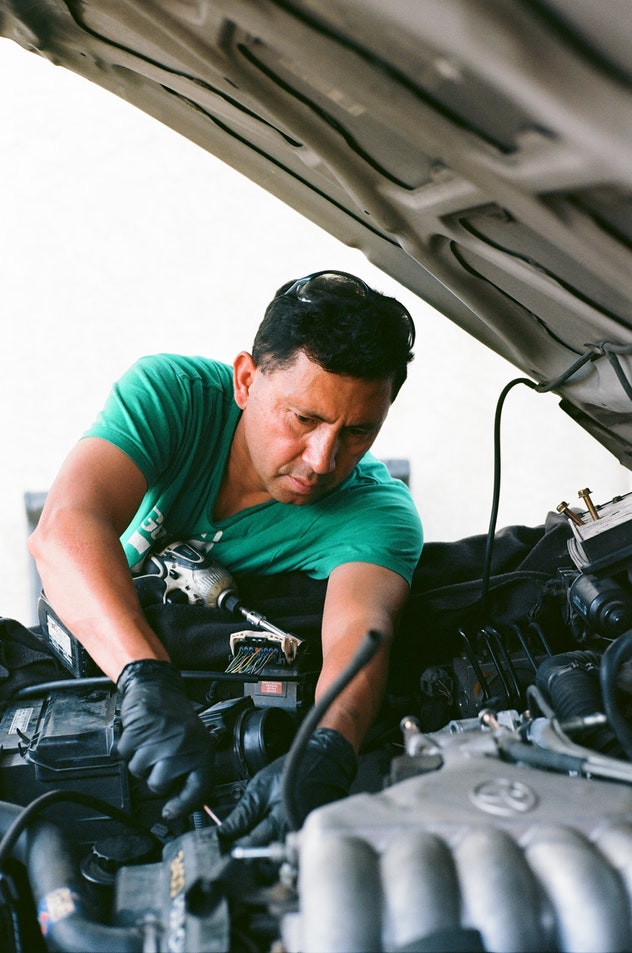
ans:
(372, 487)
(374, 475)
(371, 470)
(184, 366)
(178, 378)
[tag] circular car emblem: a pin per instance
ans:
(505, 797)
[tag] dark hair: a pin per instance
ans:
(340, 324)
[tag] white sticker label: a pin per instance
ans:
(60, 638)
(20, 721)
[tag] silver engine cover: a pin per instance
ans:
(477, 853)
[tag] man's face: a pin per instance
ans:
(303, 429)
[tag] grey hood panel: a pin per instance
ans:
(479, 151)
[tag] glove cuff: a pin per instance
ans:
(147, 669)
(335, 746)
(332, 739)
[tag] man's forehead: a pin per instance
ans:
(300, 367)
(310, 390)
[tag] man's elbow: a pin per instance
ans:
(51, 528)
(35, 544)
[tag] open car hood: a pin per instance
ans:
(478, 151)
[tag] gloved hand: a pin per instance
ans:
(163, 740)
(325, 773)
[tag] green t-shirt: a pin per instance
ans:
(175, 417)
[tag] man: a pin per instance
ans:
(266, 466)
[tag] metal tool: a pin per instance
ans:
(181, 573)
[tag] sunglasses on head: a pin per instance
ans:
(309, 288)
(323, 282)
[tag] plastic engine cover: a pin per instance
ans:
(478, 855)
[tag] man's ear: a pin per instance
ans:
(244, 371)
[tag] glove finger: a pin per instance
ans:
(255, 827)
(241, 818)
(271, 828)
(126, 746)
(190, 797)
(140, 764)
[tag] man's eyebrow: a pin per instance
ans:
(367, 425)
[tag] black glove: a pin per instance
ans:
(163, 740)
(326, 771)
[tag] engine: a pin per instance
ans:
(493, 814)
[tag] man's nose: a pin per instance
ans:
(321, 450)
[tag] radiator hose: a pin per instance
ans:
(56, 884)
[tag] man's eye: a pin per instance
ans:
(301, 419)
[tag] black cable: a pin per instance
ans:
(26, 816)
(365, 652)
(493, 519)
(617, 654)
(101, 681)
(616, 366)
(593, 353)
(62, 684)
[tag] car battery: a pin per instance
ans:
(64, 740)
(63, 643)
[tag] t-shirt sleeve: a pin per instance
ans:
(376, 524)
(144, 414)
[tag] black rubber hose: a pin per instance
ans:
(571, 683)
(367, 649)
(617, 653)
(518, 752)
(56, 885)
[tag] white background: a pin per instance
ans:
(120, 238)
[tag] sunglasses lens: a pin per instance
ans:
(308, 290)
(323, 282)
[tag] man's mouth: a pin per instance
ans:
(303, 486)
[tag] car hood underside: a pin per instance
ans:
(479, 151)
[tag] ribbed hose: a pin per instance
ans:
(571, 683)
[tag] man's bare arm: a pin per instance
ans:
(360, 597)
(81, 561)
(86, 577)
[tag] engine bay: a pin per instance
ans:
(492, 810)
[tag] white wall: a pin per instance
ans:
(120, 238)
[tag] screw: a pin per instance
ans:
(585, 495)
(564, 508)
